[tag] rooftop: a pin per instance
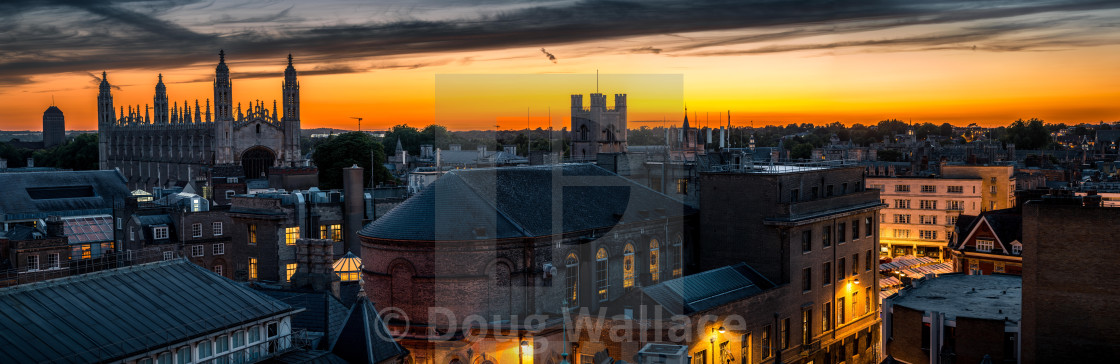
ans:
(991, 297)
(36, 195)
(708, 289)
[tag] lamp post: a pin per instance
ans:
(713, 343)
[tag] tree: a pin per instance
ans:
(345, 150)
(409, 137)
(78, 154)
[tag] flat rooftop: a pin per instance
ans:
(992, 297)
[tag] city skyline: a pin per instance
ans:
(770, 63)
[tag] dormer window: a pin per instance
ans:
(984, 245)
(1016, 248)
(159, 232)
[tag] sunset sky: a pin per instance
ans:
(474, 64)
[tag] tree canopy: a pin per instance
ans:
(78, 154)
(345, 150)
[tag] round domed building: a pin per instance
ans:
(485, 248)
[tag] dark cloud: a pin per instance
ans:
(125, 34)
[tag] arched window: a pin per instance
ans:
(583, 133)
(628, 266)
(571, 279)
(601, 273)
(654, 260)
(678, 251)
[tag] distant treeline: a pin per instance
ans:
(78, 153)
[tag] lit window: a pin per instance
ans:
(806, 326)
(767, 347)
(196, 230)
(159, 232)
(252, 268)
(784, 337)
(601, 273)
(628, 266)
(289, 270)
(291, 235)
(32, 262)
(571, 279)
(336, 232)
(984, 245)
(217, 227)
(196, 204)
(839, 311)
(252, 234)
(826, 316)
(219, 249)
(682, 186)
(654, 260)
(197, 250)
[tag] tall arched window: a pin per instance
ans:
(678, 251)
(601, 274)
(628, 266)
(654, 260)
(571, 279)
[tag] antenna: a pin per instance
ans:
(359, 122)
(596, 80)
(52, 100)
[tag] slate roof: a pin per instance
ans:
(1007, 224)
(36, 195)
(322, 312)
(708, 289)
(365, 338)
(514, 202)
(113, 314)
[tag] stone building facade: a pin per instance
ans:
(177, 144)
(921, 212)
(598, 129)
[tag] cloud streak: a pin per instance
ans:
(106, 34)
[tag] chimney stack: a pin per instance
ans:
(353, 206)
(54, 227)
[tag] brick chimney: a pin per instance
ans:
(54, 227)
(314, 258)
(353, 207)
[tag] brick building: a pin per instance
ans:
(810, 227)
(990, 243)
(1069, 293)
(955, 318)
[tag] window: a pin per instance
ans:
(252, 234)
(183, 355)
(289, 270)
(993, 190)
(131, 233)
(333, 232)
(291, 234)
(217, 228)
(794, 194)
(571, 279)
(868, 228)
(682, 186)
(826, 273)
(196, 230)
(955, 205)
(828, 191)
(159, 232)
(628, 266)
(855, 264)
(219, 249)
(925, 337)
(902, 233)
(901, 204)
(1015, 249)
(826, 237)
(816, 193)
(204, 349)
(841, 233)
(252, 268)
(855, 303)
(901, 218)
(677, 250)
(238, 339)
(843, 188)
(784, 337)
(745, 351)
(271, 328)
(867, 261)
(929, 189)
(928, 204)
(807, 279)
(806, 326)
(197, 250)
(927, 234)
(163, 358)
(221, 344)
(984, 245)
(218, 269)
(654, 260)
(927, 219)
(254, 334)
(120, 223)
(855, 229)
(993, 180)
(767, 347)
(826, 316)
(168, 255)
(807, 241)
(839, 311)
(701, 357)
(867, 302)
(955, 189)
(901, 188)
(32, 262)
(840, 270)
(52, 261)
(952, 220)
(601, 274)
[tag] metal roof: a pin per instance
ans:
(89, 229)
(113, 314)
(513, 202)
(365, 338)
(708, 289)
(36, 195)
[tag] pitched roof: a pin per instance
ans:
(322, 312)
(113, 314)
(36, 195)
(512, 202)
(365, 338)
(708, 289)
